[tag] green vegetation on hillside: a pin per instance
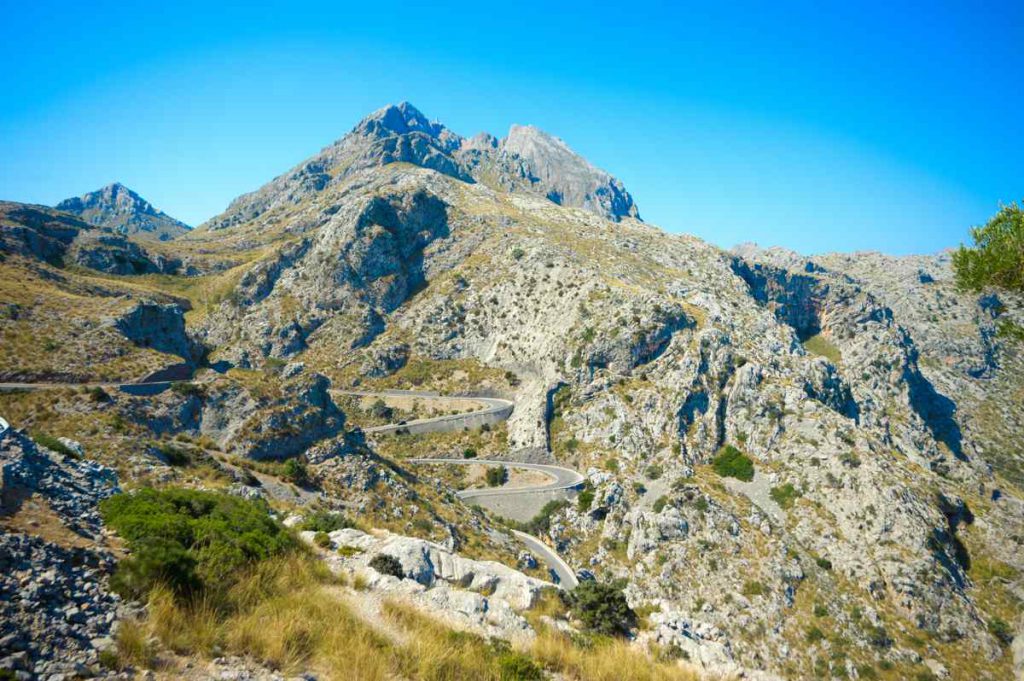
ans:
(997, 257)
(732, 463)
(190, 541)
(602, 608)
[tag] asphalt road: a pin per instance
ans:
(560, 479)
(492, 405)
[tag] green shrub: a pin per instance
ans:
(732, 463)
(660, 503)
(518, 253)
(53, 444)
(380, 410)
(175, 456)
(654, 471)
(294, 471)
(387, 565)
(602, 608)
(585, 499)
(190, 540)
(468, 453)
(187, 389)
(814, 634)
(784, 495)
(322, 539)
(496, 476)
(98, 395)
(1001, 630)
(823, 563)
(325, 521)
(997, 258)
(877, 636)
(541, 523)
(518, 667)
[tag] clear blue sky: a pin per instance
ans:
(871, 125)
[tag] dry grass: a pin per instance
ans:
(606, 660)
(290, 615)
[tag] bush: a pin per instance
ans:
(294, 471)
(732, 463)
(997, 258)
(654, 471)
(585, 499)
(322, 539)
(823, 563)
(379, 409)
(53, 444)
(1001, 630)
(387, 565)
(98, 395)
(174, 456)
(541, 523)
(814, 634)
(325, 521)
(660, 503)
(784, 495)
(190, 540)
(496, 476)
(468, 453)
(186, 389)
(602, 608)
(518, 253)
(518, 667)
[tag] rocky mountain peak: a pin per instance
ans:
(400, 119)
(119, 208)
(564, 176)
(528, 160)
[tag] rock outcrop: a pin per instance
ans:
(57, 612)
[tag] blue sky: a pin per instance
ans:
(872, 125)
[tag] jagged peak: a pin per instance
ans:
(531, 141)
(401, 119)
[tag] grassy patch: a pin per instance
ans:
(784, 495)
(821, 346)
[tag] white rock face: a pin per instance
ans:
(483, 595)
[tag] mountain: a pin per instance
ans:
(119, 208)
(528, 160)
(796, 466)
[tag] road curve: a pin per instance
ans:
(562, 478)
(566, 577)
(495, 409)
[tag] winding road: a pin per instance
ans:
(493, 410)
(561, 479)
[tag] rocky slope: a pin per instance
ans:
(123, 211)
(879, 534)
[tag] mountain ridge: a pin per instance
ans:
(533, 162)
